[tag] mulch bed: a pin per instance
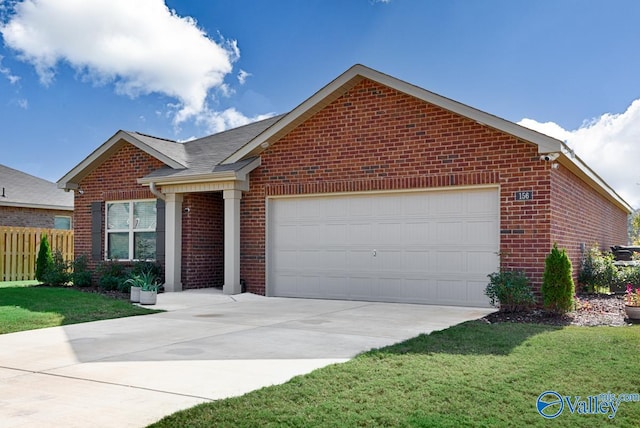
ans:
(591, 310)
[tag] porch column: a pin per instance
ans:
(232, 241)
(173, 242)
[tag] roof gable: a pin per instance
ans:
(169, 152)
(355, 75)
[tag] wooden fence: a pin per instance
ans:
(19, 249)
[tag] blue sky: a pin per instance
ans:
(73, 72)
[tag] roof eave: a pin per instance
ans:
(71, 180)
(232, 175)
(36, 206)
(580, 169)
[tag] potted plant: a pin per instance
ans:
(632, 302)
(144, 288)
(149, 293)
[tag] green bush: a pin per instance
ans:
(145, 268)
(57, 273)
(44, 260)
(510, 291)
(81, 276)
(112, 276)
(597, 272)
(557, 282)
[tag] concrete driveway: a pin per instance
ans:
(130, 372)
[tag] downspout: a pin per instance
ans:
(155, 191)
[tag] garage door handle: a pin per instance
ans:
(374, 253)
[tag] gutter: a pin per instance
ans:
(155, 191)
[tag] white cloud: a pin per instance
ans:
(12, 78)
(140, 46)
(609, 145)
(218, 121)
(242, 76)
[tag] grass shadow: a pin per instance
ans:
(471, 338)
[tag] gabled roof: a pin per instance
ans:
(169, 152)
(19, 189)
(183, 160)
(221, 154)
(355, 75)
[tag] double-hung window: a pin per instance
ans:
(131, 230)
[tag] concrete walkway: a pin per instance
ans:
(130, 372)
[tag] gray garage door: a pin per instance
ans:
(433, 247)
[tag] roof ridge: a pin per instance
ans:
(153, 136)
(236, 128)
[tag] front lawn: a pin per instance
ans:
(27, 307)
(474, 374)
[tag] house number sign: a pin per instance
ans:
(524, 196)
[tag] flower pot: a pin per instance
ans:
(135, 294)
(148, 297)
(633, 312)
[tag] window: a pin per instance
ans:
(131, 230)
(62, 222)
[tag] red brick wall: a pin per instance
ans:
(30, 217)
(374, 138)
(572, 202)
(113, 180)
(203, 240)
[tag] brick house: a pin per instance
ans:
(371, 189)
(28, 201)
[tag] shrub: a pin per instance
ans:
(145, 267)
(57, 273)
(557, 282)
(81, 277)
(510, 291)
(112, 276)
(597, 272)
(44, 260)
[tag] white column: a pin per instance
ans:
(173, 242)
(232, 241)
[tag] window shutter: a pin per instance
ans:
(160, 228)
(96, 230)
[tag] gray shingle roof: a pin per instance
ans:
(22, 189)
(205, 155)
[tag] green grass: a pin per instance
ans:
(473, 374)
(27, 307)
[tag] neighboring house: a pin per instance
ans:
(28, 201)
(372, 189)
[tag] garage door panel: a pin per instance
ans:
(421, 247)
(286, 259)
(359, 259)
(389, 232)
(336, 234)
(416, 233)
(449, 232)
(477, 261)
(361, 287)
(360, 234)
(450, 262)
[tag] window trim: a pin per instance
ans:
(130, 230)
(65, 217)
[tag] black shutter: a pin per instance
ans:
(160, 235)
(96, 230)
